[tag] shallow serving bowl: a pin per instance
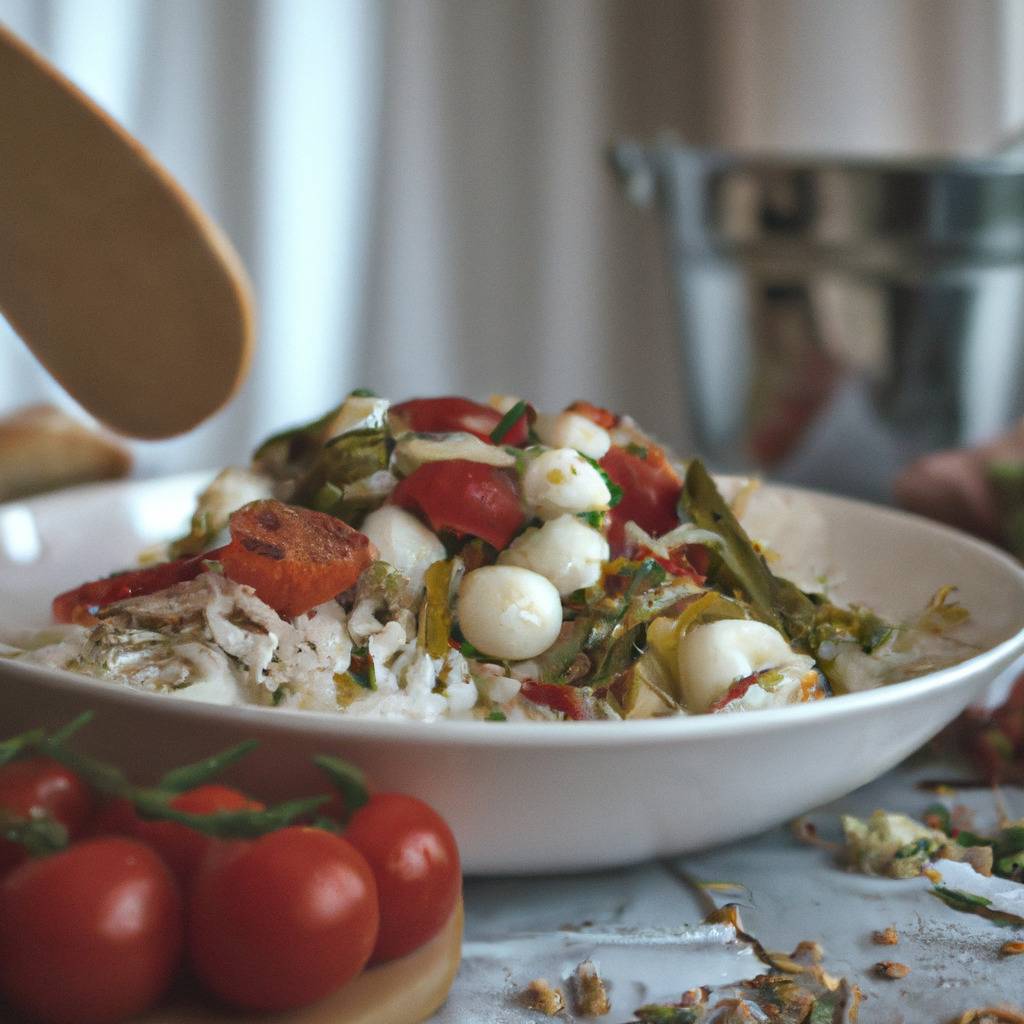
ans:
(533, 797)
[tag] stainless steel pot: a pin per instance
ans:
(840, 317)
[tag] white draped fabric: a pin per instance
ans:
(418, 186)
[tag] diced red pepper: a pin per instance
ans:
(294, 558)
(650, 492)
(451, 413)
(468, 498)
(572, 702)
(737, 690)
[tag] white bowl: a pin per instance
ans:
(533, 797)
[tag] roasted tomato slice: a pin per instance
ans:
(294, 558)
(451, 414)
(650, 492)
(464, 497)
(81, 604)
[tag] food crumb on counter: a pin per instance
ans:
(891, 969)
(886, 937)
(590, 995)
(541, 996)
(1012, 947)
(992, 1015)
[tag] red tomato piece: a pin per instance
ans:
(89, 935)
(181, 848)
(294, 558)
(559, 697)
(650, 492)
(41, 785)
(81, 604)
(594, 413)
(464, 497)
(451, 413)
(413, 856)
(283, 920)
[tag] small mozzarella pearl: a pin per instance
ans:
(715, 655)
(509, 612)
(560, 480)
(403, 542)
(571, 430)
(564, 550)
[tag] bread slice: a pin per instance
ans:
(43, 448)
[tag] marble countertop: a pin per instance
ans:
(637, 924)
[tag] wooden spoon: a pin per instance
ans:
(109, 272)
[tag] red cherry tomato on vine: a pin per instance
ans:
(450, 414)
(41, 785)
(89, 935)
(181, 848)
(465, 497)
(283, 920)
(413, 856)
(650, 492)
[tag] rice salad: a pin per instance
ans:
(444, 558)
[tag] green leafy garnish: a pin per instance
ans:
(496, 716)
(508, 421)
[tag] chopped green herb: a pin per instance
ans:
(363, 393)
(496, 716)
(508, 421)
(636, 449)
(613, 488)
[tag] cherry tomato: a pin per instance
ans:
(465, 497)
(113, 817)
(80, 604)
(294, 558)
(283, 920)
(89, 935)
(413, 856)
(180, 847)
(450, 414)
(650, 492)
(41, 785)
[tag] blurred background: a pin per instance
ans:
(420, 188)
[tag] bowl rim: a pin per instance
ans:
(544, 733)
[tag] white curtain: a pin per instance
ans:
(418, 186)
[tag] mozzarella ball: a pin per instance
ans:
(403, 542)
(560, 480)
(564, 550)
(713, 656)
(502, 403)
(571, 430)
(509, 612)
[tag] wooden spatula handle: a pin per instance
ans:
(109, 272)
